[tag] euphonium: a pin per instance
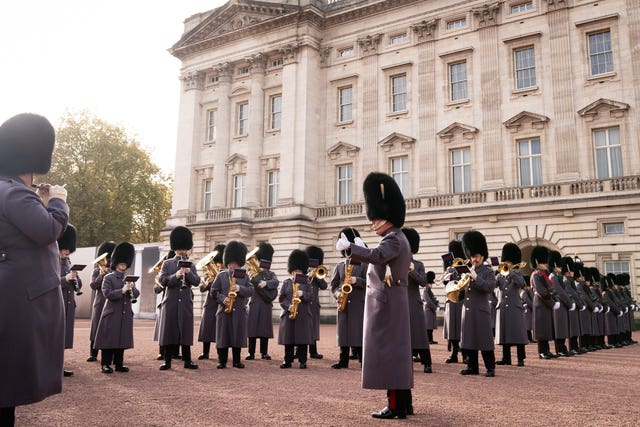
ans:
(346, 287)
(209, 266)
(253, 264)
(231, 296)
(320, 272)
(295, 302)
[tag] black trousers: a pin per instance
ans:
(543, 347)
(425, 355)
(455, 347)
(172, 349)
(506, 352)
(488, 357)
(313, 349)
(93, 351)
(7, 416)
(560, 345)
(223, 355)
(301, 351)
(113, 354)
(399, 400)
(264, 345)
(206, 348)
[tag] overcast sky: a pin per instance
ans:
(108, 57)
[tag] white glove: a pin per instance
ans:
(620, 315)
(262, 284)
(473, 274)
(58, 192)
(583, 308)
(125, 289)
(437, 308)
(595, 310)
(573, 306)
(343, 243)
(626, 310)
(556, 306)
(70, 276)
(608, 310)
(358, 241)
(299, 293)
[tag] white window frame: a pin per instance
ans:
(521, 7)
(399, 99)
(455, 24)
(273, 182)
(342, 105)
(243, 118)
(211, 124)
(608, 148)
(605, 54)
(617, 266)
(275, 112)
(207, 187)
(239, 191)
(346, 52)
(344, 184)
(529, 68)
(398, 38)
(453, 84)
(533, 159)
(464, 166)
(399, 171)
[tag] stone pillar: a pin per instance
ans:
(223, 136)
(288, 128)
(187, 147)
(370, 104)
(254, 183)
(633, 138)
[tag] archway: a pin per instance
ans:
(526, 247)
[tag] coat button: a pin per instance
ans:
(179, 299)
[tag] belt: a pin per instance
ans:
(3, 256)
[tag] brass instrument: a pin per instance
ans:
(503, 267)
(231, 296)
(458, 262)
(102, 263)
(253, 264)
(157, 267)
(295, 302)
(455, 290)
(320, 272)
(346, 288)
(209, 266)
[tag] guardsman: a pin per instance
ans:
(431, 307)
(317, 282)
(99, 271)
(452, 310)
(561, 315)
(574, 316)
(543, 301)
(207, 332)
(70, 284)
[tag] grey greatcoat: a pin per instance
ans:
(585, 315)
(158, 290)
(115, 329)
(314, 305)
(574, 316)
(611, 312)
(452, 311)
(476, 332)
(510, 326)
(527, 306)
(69, 297)
(176, 308)
(543, 302)
(350, 321)
(261, 306)
(231, 328)
(561, 315)
(298, 331)
(417, 279)
(207, 332)
(98, 301)
(597, 319)
(386, 352)
(31, 307)
(431, 307)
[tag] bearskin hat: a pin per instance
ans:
(414, 239)
(350, 233)
(298, 260)
(455, 247)
(586, 272)
(265, 253)
(181, 238)
(431, 276)
(612, 278)
(68, 239)
(566, 264)
(555, 260)
(578, 270)
(474, 243)
(623, 279)
(316, 256)
(123, 252)
(106, 248)
(26, 145)
(539, 255)
(605, 283)
(595, 274)
(234, 252)
(383, 199)
(512, 253)
(219, 248)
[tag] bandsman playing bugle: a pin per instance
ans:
(100, 270)
(207, 331)
(70, 283)
(452, 310)
(317, 282)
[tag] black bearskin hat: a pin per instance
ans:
(566, 264)
(473, 243)
(350, 233)
(511, 252)
(555, 260)
(265, 252)
(431, 276)
(595, 274)
(587, 274)
(383, 199)
(414, 239)
(539, 255)
(181, 238)
(612, 278)
(234, 252)
(623, 279)
(68, 239)
(106, 247)
(123, 252)
(298, 260)
(578, 270)
(455, 247)
(316, 256)
(605, 283)
(219, 248)
(26, 145)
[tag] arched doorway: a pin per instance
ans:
(526, 247)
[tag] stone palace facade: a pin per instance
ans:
(516, 118)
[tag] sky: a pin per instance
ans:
(107, 57)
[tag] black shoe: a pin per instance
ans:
(249, 357)
(159, 357)
(490, 374)
(67, 373)
(451, 360)
(616, 345)
(221, 366)
(203, 356)
(339, 365)
(106, 369)
(285, 365)
(238, 365)
(190, 365)
(520, 362)
(427, 370)
(469, 372)
(165, 366)
(545, 356)
(303, 365)
(503, 362)
(316, 356)
(387, 413)
(122, 369)
(416, 359)
(582, 350)
(409, 409)
(607, 347)
(265, 356)
(91, 359)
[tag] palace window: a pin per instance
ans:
(238, 191)
(608, 153)
(616, 267)
(211, 125)
(345, 95)
(522, 7)
(399, 93)
(345, 52)
(208, 185)
(345, 184)
(400, 173)
(243, 118)
(613, 228)
(276, 62)
(600, 52)
(530, 162)
(398, 38)
(273, 178)
(461, 170)
(525, 67)
(276, 111)
(457, 23)
(458, 81)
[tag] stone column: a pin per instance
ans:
(288, 128)
(370, 105)
(223, 136)
(254, 183)
(633, 138)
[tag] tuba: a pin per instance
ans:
(346, 287)
(209, 266)
(295, 302)
(231, 296)
(253, 264)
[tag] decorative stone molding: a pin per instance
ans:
(342, 149)
(538, 121)
(325, 53)
(271, 162)
(616, 109)
(388, 143)
(224, 69)
(236, 163)
(425, 30)
(369, 44)
(448, 133)
(487, 14)
(193, 80)
(289, 53)
(556, 4)
(257, 62)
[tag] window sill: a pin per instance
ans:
(603, 76)
(246, 135)
(457, 102)
(398, 113)
(525, 90)
(345, 123)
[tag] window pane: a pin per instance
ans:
(600, 53)
(525, 67)
(276, 109)
(344, 184)
(345, 104)
(399, 93)
(616, 267)
(614, 228)
(211, 125)
(458, 81)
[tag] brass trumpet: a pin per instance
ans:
(295, 302)
(209, 266)
(503, 267)
(458, 262)
(157, 267)
(320, 272)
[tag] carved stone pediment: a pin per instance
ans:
(398, 139)
(235, 161)
(538, 121)
(342, 150)
(448, 133)
(614, 108)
